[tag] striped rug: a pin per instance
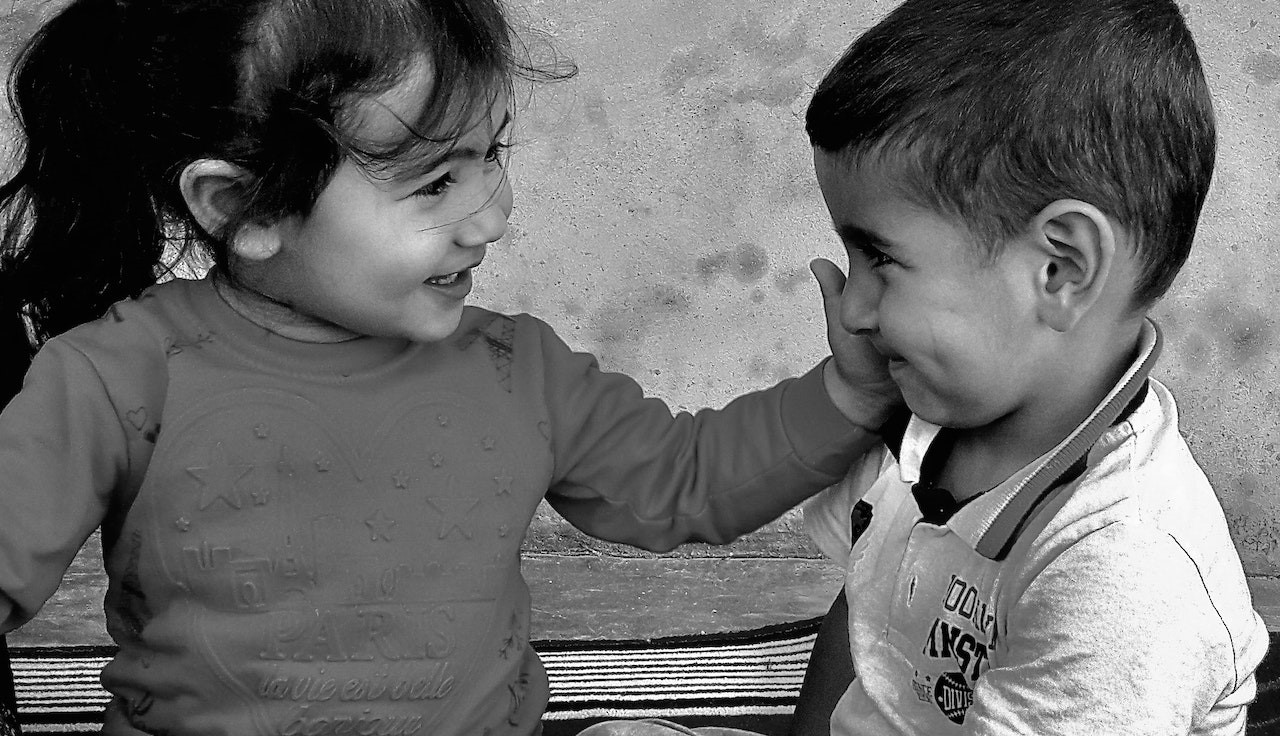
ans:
(746, 679)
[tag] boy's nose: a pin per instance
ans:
(860, 302)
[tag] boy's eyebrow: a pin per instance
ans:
(854, 234)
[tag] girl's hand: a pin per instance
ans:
(857, 379)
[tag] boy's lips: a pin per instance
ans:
(889, 355)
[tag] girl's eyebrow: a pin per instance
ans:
(422, 167)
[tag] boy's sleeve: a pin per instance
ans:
(1117, 635)
(61, 450)
(628, 470)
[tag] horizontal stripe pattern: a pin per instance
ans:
(756, 672)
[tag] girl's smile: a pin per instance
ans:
(389, 253)
(457, 284)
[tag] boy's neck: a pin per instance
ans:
(982, 458)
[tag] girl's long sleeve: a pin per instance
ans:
(628, 470)
(62, 452)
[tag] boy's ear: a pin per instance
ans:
(214, 191)
(1075, 246)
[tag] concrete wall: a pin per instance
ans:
(666, 211)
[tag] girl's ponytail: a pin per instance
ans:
(116, 97)
(79, 228)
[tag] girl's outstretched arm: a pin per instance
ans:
(629, 470)
(63, 453)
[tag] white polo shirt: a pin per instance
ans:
(1095, 592)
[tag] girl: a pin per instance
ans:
(313, 468)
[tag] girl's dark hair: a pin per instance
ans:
(116, 97)
(993, 109)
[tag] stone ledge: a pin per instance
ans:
(593, 595)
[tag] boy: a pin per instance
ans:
(1035, 551)
(1017, 181)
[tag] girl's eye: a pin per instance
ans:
(496, 153)
(436, 187)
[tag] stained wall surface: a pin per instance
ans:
(666, 212)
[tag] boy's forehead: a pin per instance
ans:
(858, 169)
(870, 195)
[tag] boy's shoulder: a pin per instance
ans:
(1142, 506)
(1143, 515)
(1140, 472)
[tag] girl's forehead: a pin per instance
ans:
(382, 117)
(388, 117)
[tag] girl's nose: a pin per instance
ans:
(490, 223)
(860, 302)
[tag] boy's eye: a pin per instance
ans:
(873, 255)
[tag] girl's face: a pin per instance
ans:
(390, 257)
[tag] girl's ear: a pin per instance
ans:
(214, 191)
(1076, 250)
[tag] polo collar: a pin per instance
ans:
(993, 521)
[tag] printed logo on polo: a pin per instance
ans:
(962, 636)
(953, 696)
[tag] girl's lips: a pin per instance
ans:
(448, 279)
(458, 288)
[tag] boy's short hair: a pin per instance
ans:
(989, 110)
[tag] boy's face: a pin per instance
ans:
(957, 331)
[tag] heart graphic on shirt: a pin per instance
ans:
(137, 417)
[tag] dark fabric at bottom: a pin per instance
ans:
(1264, 715)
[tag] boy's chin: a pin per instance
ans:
(937, 413)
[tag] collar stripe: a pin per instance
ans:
(1052, 477)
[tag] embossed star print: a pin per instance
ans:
(504, 484)
(379, 527)
(218, 480)
(453, 513)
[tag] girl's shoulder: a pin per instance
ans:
(519, 344)
(155, 321)
(156, 312)
(501, 330)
